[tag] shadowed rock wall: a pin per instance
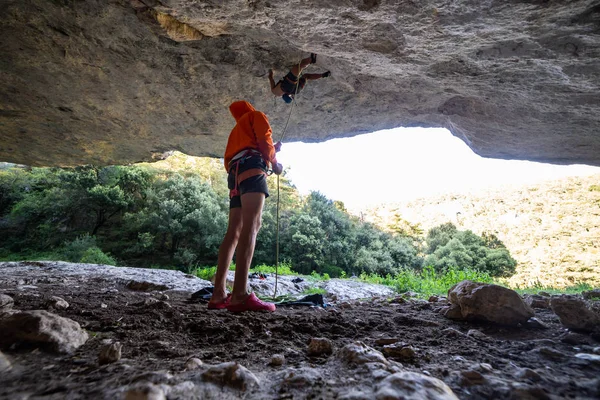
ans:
(114, 82)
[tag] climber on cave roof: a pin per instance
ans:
(288, 86)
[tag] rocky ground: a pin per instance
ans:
(147, 341)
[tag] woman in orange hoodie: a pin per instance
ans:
(249, 153)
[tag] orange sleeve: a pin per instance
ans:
(263, 133)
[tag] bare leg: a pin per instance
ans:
(275, 88)
(312, 77)
(252, 205)
(303, 64)
(226, 251)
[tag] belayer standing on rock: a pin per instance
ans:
(288, 86)
(249, 152)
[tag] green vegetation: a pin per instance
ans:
(150, 216)
(428, 281)
(314, 290)
(595, 188)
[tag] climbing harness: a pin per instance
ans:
(238, 159)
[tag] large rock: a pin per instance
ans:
(485, 302)
(43, 329)
(577, 314)
(412, 385)
(512, 79)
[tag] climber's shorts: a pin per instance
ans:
(254, 184)
(288, 84)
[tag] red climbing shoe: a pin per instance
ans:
(313, 58)
(221, 305)
(252, 303)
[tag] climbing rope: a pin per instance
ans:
(278, 186)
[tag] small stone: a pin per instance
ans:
(451, 332)
(193, 363)
(102, 305)
(398, 300)
(345, 305)
(552, 354)
(230, 374)
(537, 301)
(400, 351)
(576, 339)
(5, 364)
(319, 347)
(385, 341)
(110, 353)
(412, 385)
(476, 334)
(536, 323)
(596, 350)
(145, 392)
(526, 373)
(485, 367)
(301, 377)
(360, 353)
(6, 302)
(594, 358)
(277, 360)
(545, 294)
(58, 303)
(433, 299)
(471, 378)
(452, 312)
(164, 297)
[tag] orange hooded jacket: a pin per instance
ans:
(252, 131)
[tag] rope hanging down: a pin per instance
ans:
(278, 190)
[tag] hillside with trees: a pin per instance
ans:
(173, 214)
(552, 229)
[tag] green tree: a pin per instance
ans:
(448, 247)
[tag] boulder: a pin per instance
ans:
(488, 302)
(412, 385)
(576, 313)
(43, 329)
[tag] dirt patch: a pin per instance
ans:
(160, 332)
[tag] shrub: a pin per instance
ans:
(94, 255)
(74, 250)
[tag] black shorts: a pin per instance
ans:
(289, 85)
(254, 184)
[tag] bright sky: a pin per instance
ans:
(403, 164)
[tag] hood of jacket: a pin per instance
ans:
(239, 108)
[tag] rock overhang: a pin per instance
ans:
(93, 82)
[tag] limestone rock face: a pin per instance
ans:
(491, 303)
(128, 80)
